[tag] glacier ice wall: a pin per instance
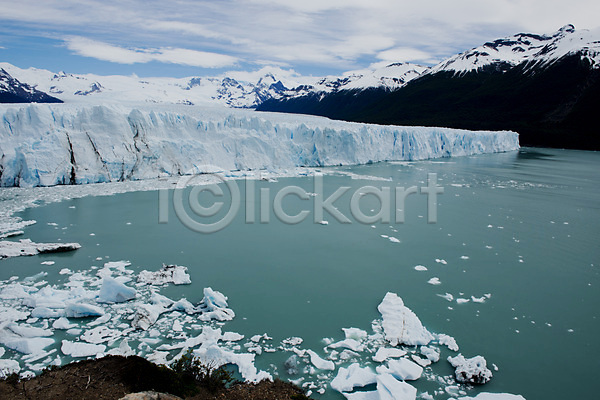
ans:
(44, 145)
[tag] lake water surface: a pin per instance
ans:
(523, 227)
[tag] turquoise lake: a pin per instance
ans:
(523, 227)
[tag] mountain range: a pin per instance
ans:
(545, 87)
(241, 90)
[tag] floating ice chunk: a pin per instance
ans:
(167, 274)
(177, 327)
(393, 239)
(214, 306)
(402, 369)
(355, 333)
(478, 299)
(216, 356)
(185, 306)
(389, 388)
(29, 331)
(423, 362)
(400, 324)
(370, 395)
(461, 300)
(291, 365)
(470, 370)
(420, 268)
(494, 396)
(434, 281)
(146, 315)
(78, 349)
(100, 334)
(101, 320)
(123, 350)
(432, 353)
(82, 310)
(447, 296)
(8, 367)
(353, 376)
(26, 345)
(231, 337)
(384, 353)
(448, 341)
(113, 291)
(48, 262)
(9, 315)
(13, 291)
(464, 257)
(320, 363)
(62, 323)
(350, 344)
(292, 341)
(158, 357)
(26, 247)
(346, 355)
(441, 261)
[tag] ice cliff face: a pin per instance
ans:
(44, 145)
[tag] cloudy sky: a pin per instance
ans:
(312, 37)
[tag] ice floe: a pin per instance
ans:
(400, 324)
(470, 370)
(113, 291)
(25, 247)
(402, 369)
(175, 274)
(78, 349)
(353, 376)
(493, 396)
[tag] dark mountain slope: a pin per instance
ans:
(13, 91)
(553, 105)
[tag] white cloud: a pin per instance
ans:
(338, 34)
(404, 54)
(108, 52)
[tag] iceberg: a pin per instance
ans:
(82, 310)
(113, 291)
(353, 376)
(45, 145)
(494, 396)
(319, 363)
(400, 324)
(470, 370)
(26, 247)
(389, 388)
(175, 274)
(384, 353)
(402, 369)
(214, 306)
(216, 356)
(78, 349)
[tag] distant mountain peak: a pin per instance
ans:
(526, 47)
(14, 91)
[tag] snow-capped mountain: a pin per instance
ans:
(546, 87)
(539, 50)
(390, 77)
(246, 91)
(14, 91)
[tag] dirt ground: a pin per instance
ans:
(112, 377)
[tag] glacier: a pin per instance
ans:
(46, 145)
